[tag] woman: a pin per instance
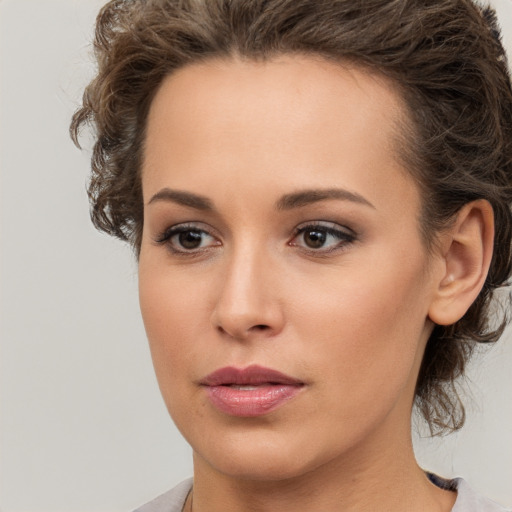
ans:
(318, 194)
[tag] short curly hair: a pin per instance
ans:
(445, 58)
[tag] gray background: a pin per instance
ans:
(82, 424)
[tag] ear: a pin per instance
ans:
(466, 252)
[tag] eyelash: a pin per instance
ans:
(165, 238)
(345, 237)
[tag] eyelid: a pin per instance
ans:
(344, 234)
(179, 227)
(165, 236)
(326, 225)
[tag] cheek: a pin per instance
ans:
(174, 319)
(371, 325)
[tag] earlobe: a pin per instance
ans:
(467, 248)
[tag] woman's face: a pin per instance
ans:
(284, 284)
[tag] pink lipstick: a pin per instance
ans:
(251, 391)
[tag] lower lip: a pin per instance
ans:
(251, 402)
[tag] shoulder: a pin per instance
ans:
(171, 501)
(470, 501)
(467, 499)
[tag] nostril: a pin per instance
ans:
(237, 331)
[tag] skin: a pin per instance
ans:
(350, 319)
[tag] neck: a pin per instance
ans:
(359, 481)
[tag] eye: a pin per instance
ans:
(322, 237)
(185, 239)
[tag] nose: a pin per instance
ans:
(247, 303)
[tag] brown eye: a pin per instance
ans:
(190, 239)
(187, 239)
(315, 238)
(323, 238)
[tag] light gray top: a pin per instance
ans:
(171, 501)
(467, 499)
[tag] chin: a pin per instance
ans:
(265, 457)
(262, 467)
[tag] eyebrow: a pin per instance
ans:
(306, 197)
(183, 198)
(286, 202)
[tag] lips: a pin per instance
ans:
(249, 392)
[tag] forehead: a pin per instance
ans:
(290, 91)
(294, 119)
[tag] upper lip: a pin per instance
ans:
(252, 375)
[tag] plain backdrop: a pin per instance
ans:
(82, 424)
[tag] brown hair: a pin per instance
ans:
(446, 58)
